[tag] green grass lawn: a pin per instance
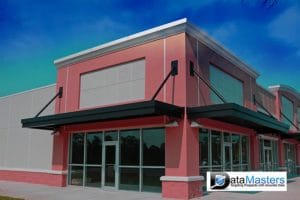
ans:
(9, 198)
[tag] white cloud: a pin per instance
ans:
(286, 27)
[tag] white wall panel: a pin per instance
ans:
(116, 84)
(3, 136)
(23, 147)
(4, 113)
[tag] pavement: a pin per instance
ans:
(42, 192)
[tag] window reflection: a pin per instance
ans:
(130, 147)
(77, 148)
(216, 148)
(204, 147)
(153, 147)
(94, 148)
(223, 151)
(129, 178)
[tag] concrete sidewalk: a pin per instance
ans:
(41, 192)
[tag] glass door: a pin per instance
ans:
(290, 158)
(227, 157)
(268, 159)
(110, 169)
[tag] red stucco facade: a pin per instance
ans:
(182, 90)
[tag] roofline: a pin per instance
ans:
(266, 90)
(285, 88)
(159, 32)
(27, 91)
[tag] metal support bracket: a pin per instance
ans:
(173, 72)
(212, 88)
(59, 95)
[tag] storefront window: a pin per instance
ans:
(153, 147)
(111, 136)
(216, 148)
(130, 147)
(230, 87)
(153, 158)
(129, 156)
(298, 112)
(245, 153)
(268, 154)
(77, 148)
(94, 148)
(290, 159)
(236, 152)
(221, 151)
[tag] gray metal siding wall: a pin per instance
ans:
(121, 83)
(25, 148)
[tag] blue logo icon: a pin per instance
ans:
(220, 180)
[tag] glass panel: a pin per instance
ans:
(230, 87)
(204, 147)
(268, 158)
(151, 179)
(236, 167)
(261, 157)
(110, 162)
(298, 112)
(111, 136)
(93, 177)
(267, 143)
(217, 168)
(154, 147)
(94, 148)
(130, 147)
(129, 178)
(227, 157)
(235, 149)
(76, 175)
(245, 168)
(216, 148)
(275, 153)
(77, 148)
(227, 137)
(245, 148)
(203, 171)
(287, 110)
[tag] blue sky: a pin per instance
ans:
(34, 33)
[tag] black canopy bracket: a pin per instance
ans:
(173, 72)
(59, 95)
(211, 87)
(262, 106)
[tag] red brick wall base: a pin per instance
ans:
(181, 190)
(44, 178)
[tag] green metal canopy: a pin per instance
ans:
(239, 115)
(125, 111)
(292, 136)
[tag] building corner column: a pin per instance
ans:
(60, 157)
(182, 180)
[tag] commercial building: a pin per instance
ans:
(149, 112)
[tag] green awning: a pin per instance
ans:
(292, 136)
(118, 112)
(235, 114)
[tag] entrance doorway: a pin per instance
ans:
(290, 159)
(110, 167)
(268, 155)
(227, 156)
(268, 158)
